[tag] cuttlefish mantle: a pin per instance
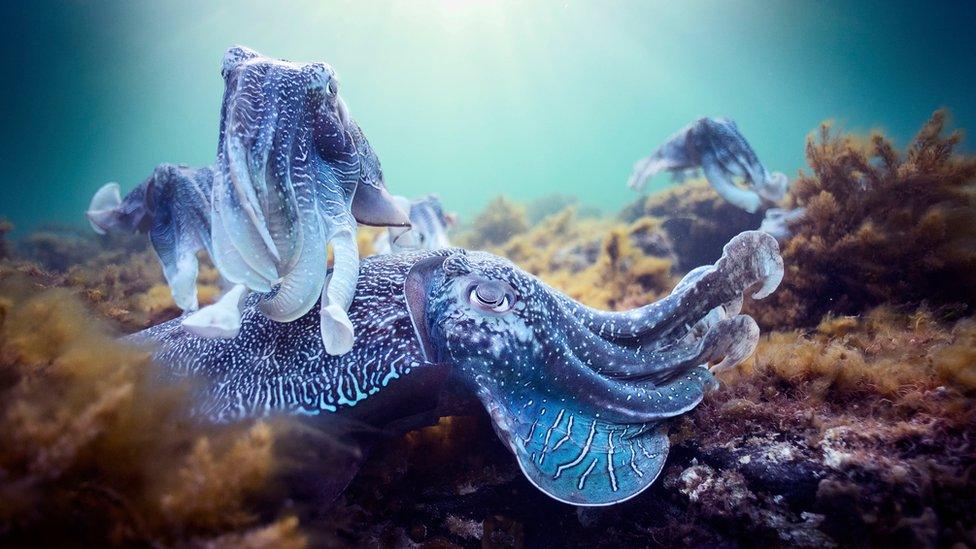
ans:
(294, 174)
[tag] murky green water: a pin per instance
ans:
(472, 98)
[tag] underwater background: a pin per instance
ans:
(468, 98)
(852, 423)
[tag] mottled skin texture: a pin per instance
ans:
(715, 146)
(428, 227)
(294, 174)
(173, 206)
(577, 394)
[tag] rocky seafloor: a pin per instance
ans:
(853, 424)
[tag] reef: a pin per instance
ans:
(881, 226)
(501, 220)
(851, 424)
(603, 264)
(697, 221)
(117, 276)
(97, 451)
(551, 204)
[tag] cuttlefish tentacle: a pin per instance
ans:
(173, 207)
(750, 259)
(301, 286)
(337, 329)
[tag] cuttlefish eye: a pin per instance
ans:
(491, 296)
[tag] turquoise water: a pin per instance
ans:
(468, 99)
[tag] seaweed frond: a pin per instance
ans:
(881, 226)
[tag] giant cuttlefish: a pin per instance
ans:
(173, 206)
(294, 174)
(717, 147)
(577, 394)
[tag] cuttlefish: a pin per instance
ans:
(294, 174)
(715, 146)
(173, 206)
(428, 227)
(578, 395)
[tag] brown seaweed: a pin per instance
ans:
(881, 226)
(98, 451)
(501, 220)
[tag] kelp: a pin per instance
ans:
(881, 226)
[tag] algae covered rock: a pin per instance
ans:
(697, 221)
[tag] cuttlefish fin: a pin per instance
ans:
(222, 320)
(575, 457)
(103, 210)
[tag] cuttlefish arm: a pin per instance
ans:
(294, 174)
(221, 320)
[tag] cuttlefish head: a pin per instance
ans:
(578, 394)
